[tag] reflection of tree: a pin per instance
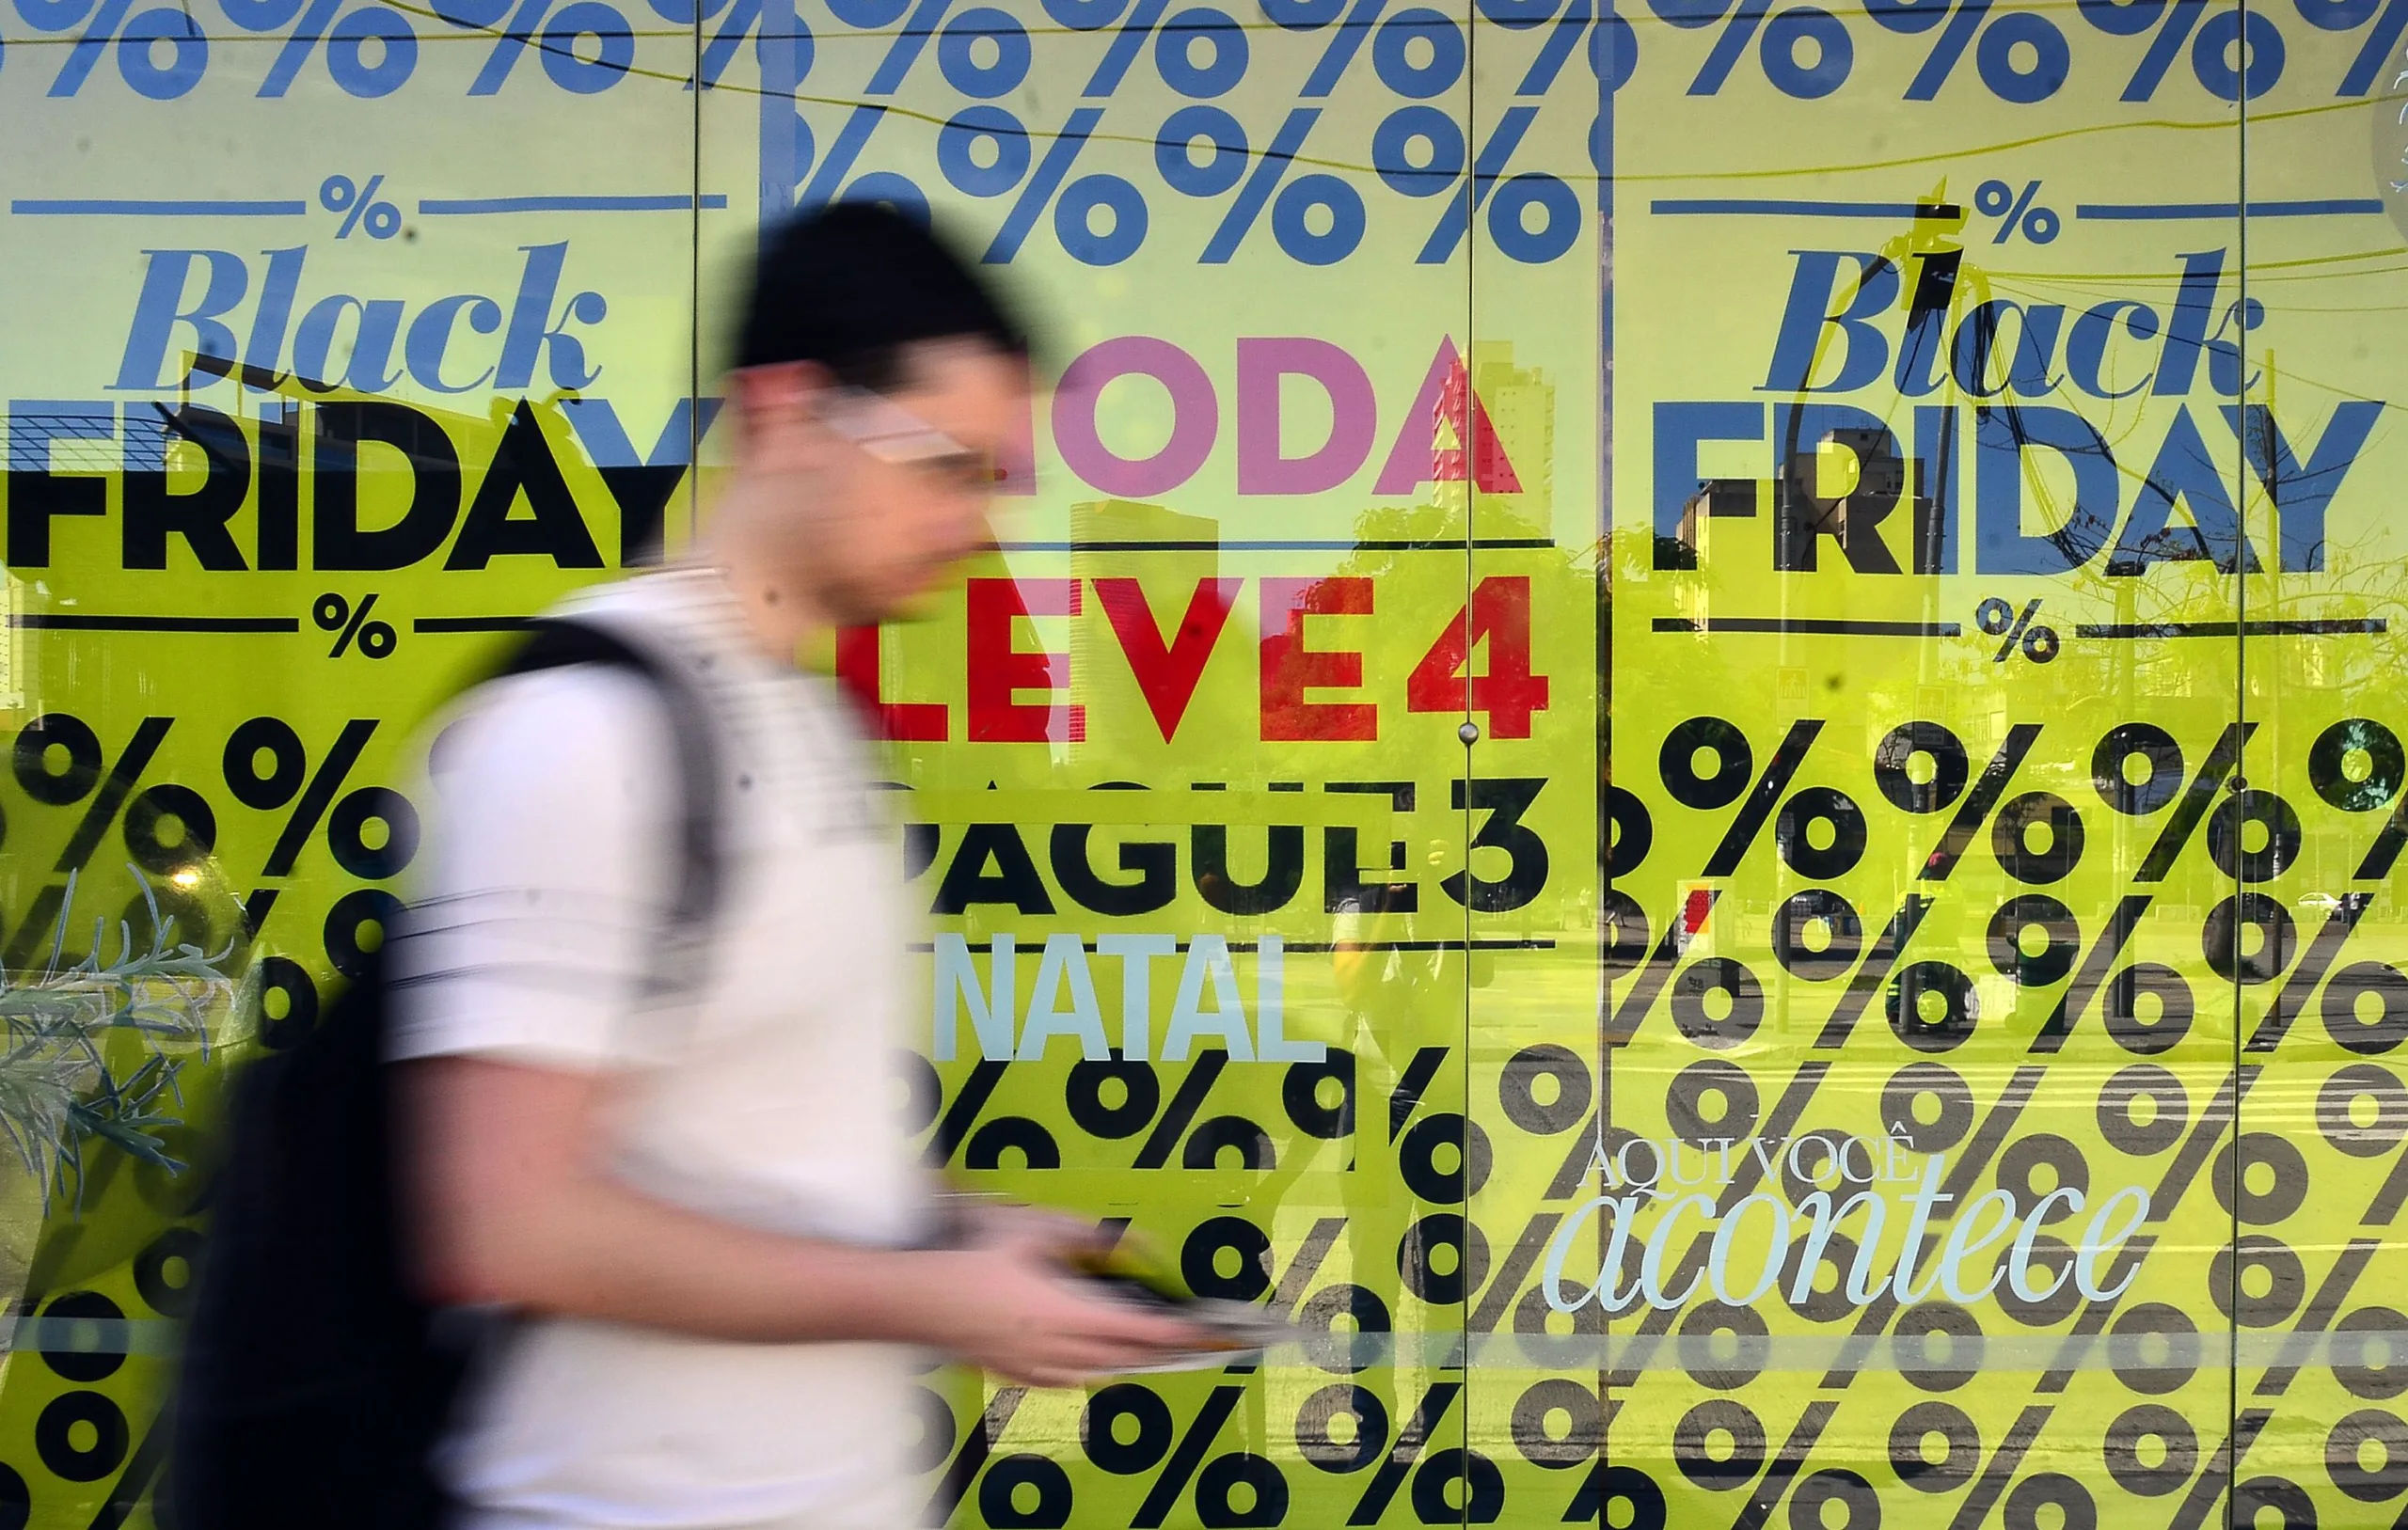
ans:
(94, 1057)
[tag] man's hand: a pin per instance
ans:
(514, 1205)
(1011, 1308)
(996, 1223)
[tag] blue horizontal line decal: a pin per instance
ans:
(469, 206)
(1674, 207)
(131, 208)
(2140, 211)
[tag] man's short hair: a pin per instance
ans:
(851, 285)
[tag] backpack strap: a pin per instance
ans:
(560, 642)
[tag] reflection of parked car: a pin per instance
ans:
(2323, 902)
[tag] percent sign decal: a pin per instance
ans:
(335, 614)
(1842, 821)
(585, 46)
(1175, 1458)
(2001, 619)
(1115, 1101)
(371, 52)
(2348, 16)
(2256, 37)
(383, 220)
(2014, 211)
(266, 767)
(983, 151)
(58, 761)
(958, 141)
(161, 53)
(2002, 47)
(1441, 166)
(1152, 1443)
(1779, 49)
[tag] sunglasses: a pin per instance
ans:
(892, 433)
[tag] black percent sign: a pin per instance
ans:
(2357, 765)
(267, 768)
(2001, 619)
(335, 614)
(58, 761)
(2253, 834)
(1923, 767)
(1113, 1099)
(1128, 1430)
(1117, 1100)
(1449, 1486)
(1816, 814)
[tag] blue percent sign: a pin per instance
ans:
(983, 52)
(739, 23)
(586, 46)
(358, 206)
(1318, 218)
(1613, 56)
(982, 151)
(1419, 150)
(2021, 57)
(1805, 51)
(371, 52)
(985, 151)
(1100, 219)
(995, 70)
(1203, 152)
(2249, 34)
(2014, 211)
(1613, 48)
(1417, 54)
(161, 53)
(1511, 201)
(1201, 52)
(2348, 16)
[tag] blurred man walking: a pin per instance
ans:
(671, 1154)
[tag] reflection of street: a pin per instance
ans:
(1392, 957)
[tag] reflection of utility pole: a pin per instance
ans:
(1930, 258)
(2291, 656)
(1604, 640)
(13, 677)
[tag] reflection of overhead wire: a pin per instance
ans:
(1576, 170)
(2338, 391)
(1944, 156)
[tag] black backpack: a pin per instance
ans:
(315, 1382)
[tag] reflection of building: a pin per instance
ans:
(1717, 498)
(1852, 484)
(1167, 551)
(1875, 479)
(1520, 403)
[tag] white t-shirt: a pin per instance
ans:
(762, 1095)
